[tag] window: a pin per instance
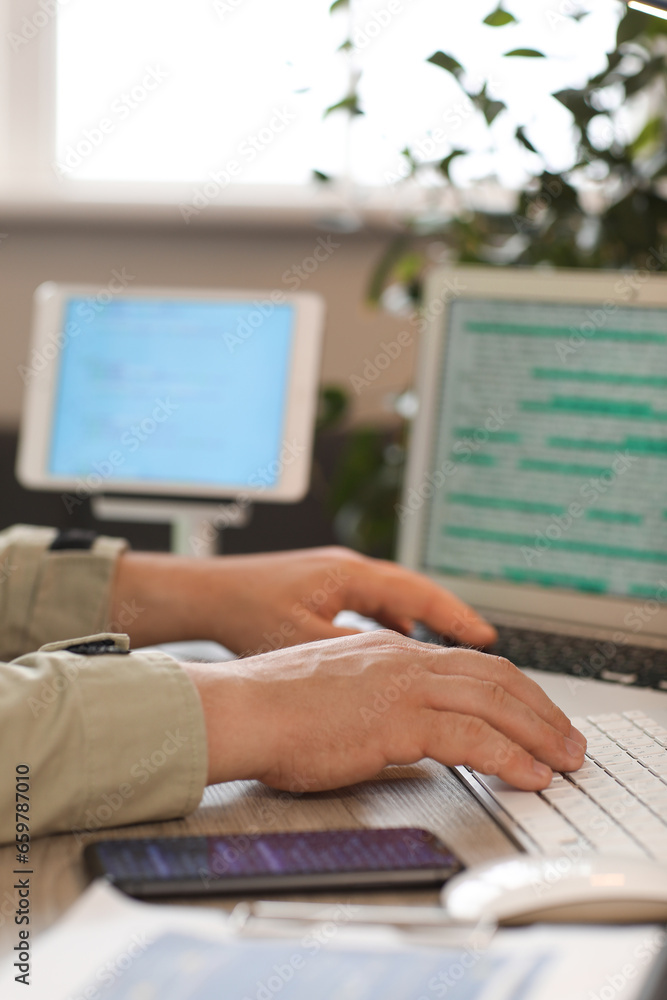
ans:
(166, 99)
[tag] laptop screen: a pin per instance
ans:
(166, 389)
(550, 463)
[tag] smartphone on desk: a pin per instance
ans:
(272, 862)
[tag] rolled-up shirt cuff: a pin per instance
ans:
(49, 595)
(109, 739)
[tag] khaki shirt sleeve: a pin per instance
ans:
(107, 739)
(45, 595)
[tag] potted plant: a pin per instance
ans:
(607, 209)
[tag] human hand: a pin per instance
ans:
(335, 712)
(257, 603)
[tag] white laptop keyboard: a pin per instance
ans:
(616, 804)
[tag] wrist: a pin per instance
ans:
(168, 598)
(227, 706)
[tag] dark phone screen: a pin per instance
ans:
(275, 854)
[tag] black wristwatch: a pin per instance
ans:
(74, 538)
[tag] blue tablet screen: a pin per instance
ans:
(192, 392)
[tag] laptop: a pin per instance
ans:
(536, 490)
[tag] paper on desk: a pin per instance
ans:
(109, 947)
(101, 934)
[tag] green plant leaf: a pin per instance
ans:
(655, 67)
(489, 107)
(337, 4)
(499, 17)
(408, 267)
(447, 62)
(526, 53)
(320, 177)
(385, 267)
(492, 109)
(410, 160)
(601, 79)
(349, 104)
(660, 169)
(524, 140)
(576, 102)
(636, 23)
(445, 164)
(650, 136)
(332, 406)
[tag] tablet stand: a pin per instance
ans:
(195, 526)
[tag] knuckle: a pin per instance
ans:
(557, 717)
(473, 730)
(496, 694)
(342, 554)
(379, 637)
(505, 667)
(346, 562)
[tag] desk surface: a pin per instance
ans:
(424, 794)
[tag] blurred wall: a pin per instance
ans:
(157, 254)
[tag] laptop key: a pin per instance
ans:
(610, 675)
(614, 804)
